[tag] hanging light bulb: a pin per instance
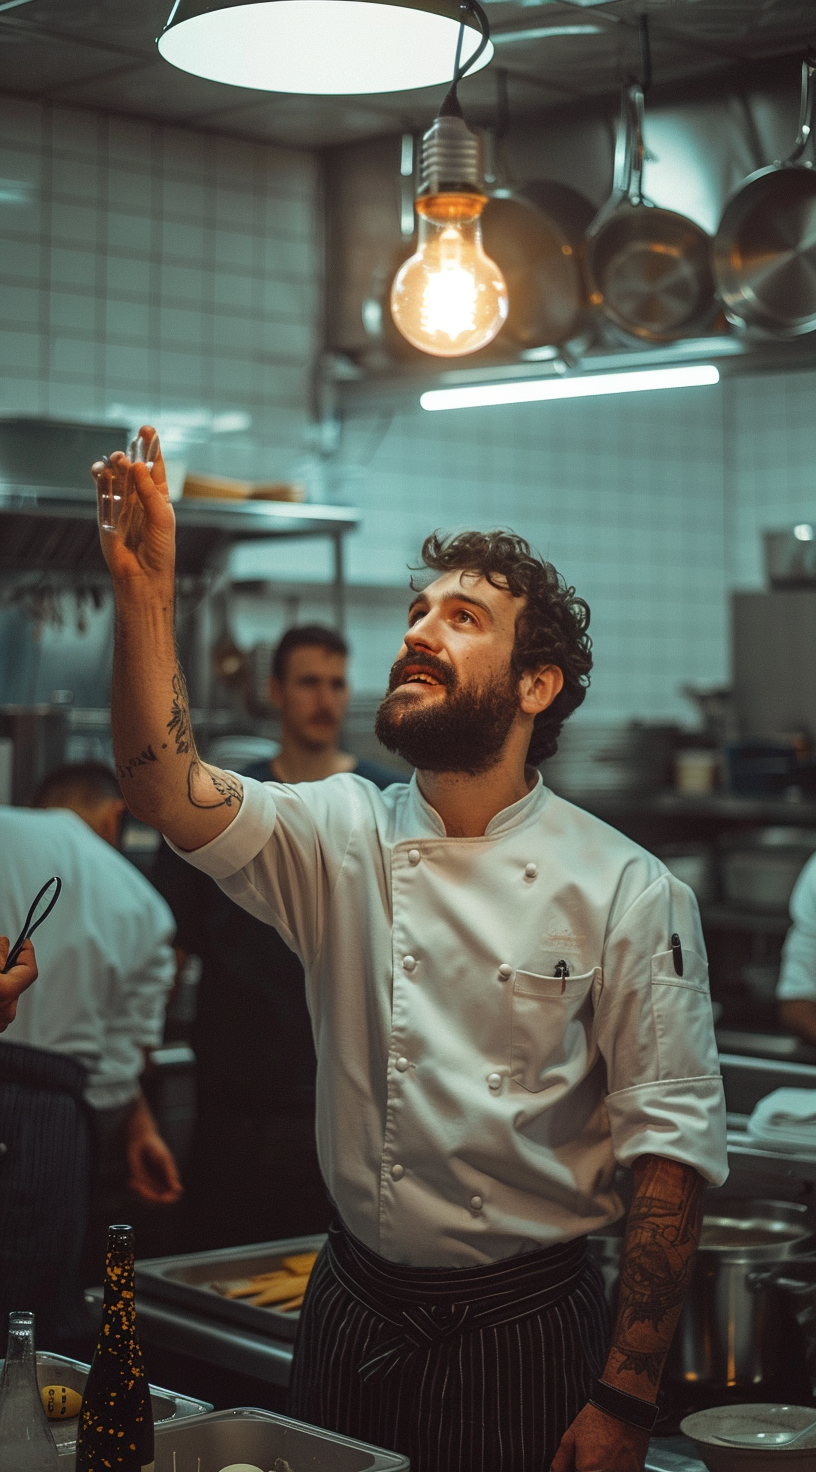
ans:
(449, 298)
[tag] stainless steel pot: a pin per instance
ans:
(734, 1331)
(649, 270)
(765, 247)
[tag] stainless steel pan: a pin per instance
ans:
(649, 270)
(765, 247)
(535, 238)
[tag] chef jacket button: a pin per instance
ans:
(531, 870)
(494, 1080)
(476, 1203)
(408, 963)
(414, 856)
(402, 1064)
(505, 971)
(397, 1172)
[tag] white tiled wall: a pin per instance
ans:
(151, 272)
(625, 495)
(652, 505)
(770, 432)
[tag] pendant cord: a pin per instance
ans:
(450, 105)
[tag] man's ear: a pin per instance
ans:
(538, 688)
(275, 692)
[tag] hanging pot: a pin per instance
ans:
(765, 247)
(535, 236)
(649, 269)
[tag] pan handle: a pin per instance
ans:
(806, 108)
(622, 172)
(634, 188)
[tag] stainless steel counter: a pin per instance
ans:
(230, 1348)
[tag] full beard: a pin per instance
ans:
(465, 731)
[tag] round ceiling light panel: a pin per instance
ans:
(329, 47)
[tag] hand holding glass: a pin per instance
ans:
(114, 480)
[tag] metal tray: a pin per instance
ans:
(186, 1281)
(56, 1369)
(259, 1438)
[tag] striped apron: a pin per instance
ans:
(45, 1160)
(463, 1370)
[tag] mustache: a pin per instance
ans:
(440, 671)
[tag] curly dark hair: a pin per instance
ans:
(551, 627)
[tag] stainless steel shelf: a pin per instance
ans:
(49, 529)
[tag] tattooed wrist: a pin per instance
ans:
(656, 1267)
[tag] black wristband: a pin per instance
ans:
(623, 1406)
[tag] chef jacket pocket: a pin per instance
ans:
(684, 1025)
(545, 1028)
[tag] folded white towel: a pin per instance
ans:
(785, 1120)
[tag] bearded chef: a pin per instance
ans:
(509, 999)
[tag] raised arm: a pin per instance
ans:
(662, 1234)
(163, 779)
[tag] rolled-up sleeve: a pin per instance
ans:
(797, 976)
(655, 1030)
(280, 856)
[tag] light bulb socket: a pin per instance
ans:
(449, 162)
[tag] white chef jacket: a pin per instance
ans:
(797, 976)
(104, 956)
(470, 1104)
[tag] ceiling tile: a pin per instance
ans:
(101, 54)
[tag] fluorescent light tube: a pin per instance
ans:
(533, 391)
(542, 33)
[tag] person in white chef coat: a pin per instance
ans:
(72, 1056)
(509, 1000)
(796, 988)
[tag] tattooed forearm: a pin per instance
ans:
(127, 768)
(207, 787)
(658, 1259)
(179, 725)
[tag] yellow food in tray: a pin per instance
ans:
(60, 1402)
(281, 1289)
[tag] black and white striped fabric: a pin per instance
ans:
(462, 1370)
(45, 1165)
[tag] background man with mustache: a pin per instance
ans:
(500, 1011)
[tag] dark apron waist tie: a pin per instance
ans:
(38, 1068)
(427, 1305)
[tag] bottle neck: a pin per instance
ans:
(20, 1367)
(20, 1350)
(120, 1278)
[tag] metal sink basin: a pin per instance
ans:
(209, 1443)
(56, 1369)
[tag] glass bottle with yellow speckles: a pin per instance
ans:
(116, 1419)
